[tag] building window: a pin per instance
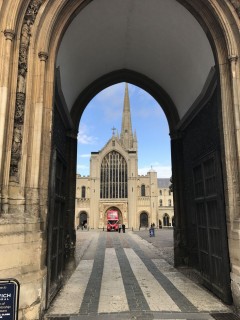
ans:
(113, 181)
(83, 192)
(169, 202)
(169, 192)
(160, 203)
(143, 190)
(160, 192)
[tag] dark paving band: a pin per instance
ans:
(92, 294)
(135, 297)
(181, 301)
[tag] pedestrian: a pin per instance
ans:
(119, 227)
(123, 228)
(153, 229)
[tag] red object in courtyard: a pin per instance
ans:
(112, 220)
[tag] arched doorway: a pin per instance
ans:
(29, 159)
(112, 217)
(166, 220)
(143, 220)
(83, 219)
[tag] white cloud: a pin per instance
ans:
(84, 137)
(85, 155)
(111, 101)
(82, 169)
(113, 92)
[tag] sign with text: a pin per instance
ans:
(9, 297)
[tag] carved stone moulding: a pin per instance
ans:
(9, 34)
(43, 56)
(233, 58)
(29, 19)
(33, 9)
(236, 5)
(16, 152)
(19, 111)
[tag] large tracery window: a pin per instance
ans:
(113, 176)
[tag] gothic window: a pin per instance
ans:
(160, 203)
(169, 192)
(113, 181)
(143, 190)
(169, 202)
(160, 192)
(83, 192)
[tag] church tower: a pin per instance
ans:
(114, 183)
(127, 139)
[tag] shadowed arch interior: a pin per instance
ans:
(131, 77)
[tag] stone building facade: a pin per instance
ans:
(139, 200)
(183, 53)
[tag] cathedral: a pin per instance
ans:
(114, 184)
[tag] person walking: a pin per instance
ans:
(119, 227)
(123, 228)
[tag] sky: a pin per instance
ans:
(148, 120)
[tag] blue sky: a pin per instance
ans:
(105, 112)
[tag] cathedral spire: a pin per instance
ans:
(126, 135)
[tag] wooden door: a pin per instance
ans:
(211, 226)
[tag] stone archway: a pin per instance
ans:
(143, 223)
(165, 220)
(83, 219)
(119, 217)
(26, 122)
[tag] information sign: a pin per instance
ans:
(9, 298)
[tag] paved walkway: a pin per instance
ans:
(124, 276)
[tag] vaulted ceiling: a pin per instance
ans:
(157, 38)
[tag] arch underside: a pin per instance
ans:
(167, 48)
(175, 67)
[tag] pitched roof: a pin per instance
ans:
(163, 182)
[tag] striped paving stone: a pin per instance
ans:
(70, 297)
(118, 278)
(157, 298)
(202, 299)
(112, 295)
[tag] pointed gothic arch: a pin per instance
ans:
(143, 220)
(221, 24)
(114, 176)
